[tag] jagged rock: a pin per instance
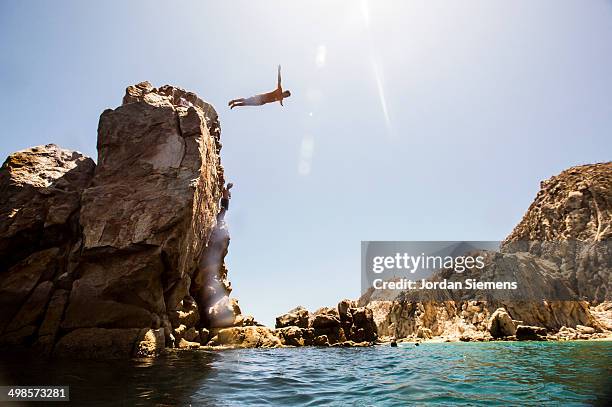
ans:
(296, 317)
(344, 309)
(567, 333)
(602, 314)
(295, 336)
(574, 205)
(130, 244)
(187, 313)
(325, 318)
(363, 328)
(501, 324)
(185, 344)
(560, 251)
(41, 189)
(179, 332)
(148, 214)
(320, 340)
(249, 320)
(152, 342)
(246, 337)
(191, 335)
(530, 333)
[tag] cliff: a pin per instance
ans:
(560, 253)
(126, 256)
(574, 205)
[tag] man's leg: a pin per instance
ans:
(252, 101)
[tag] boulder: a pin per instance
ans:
(246, 337)
(192, 335)
(296, 317)
(320, 340)
(325, 318)
(185, 344)
(151, 343)
(363, 327)
(501, 324)
(344, 309)
(294, 336)
(587, 330)
(187, 313)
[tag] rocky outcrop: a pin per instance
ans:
(500, 324)
(107, 257)
(39, 238)
(574, 205)
(561, 250)
(297, 317)
(246, 337)
(345, 325)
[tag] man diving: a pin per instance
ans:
(276, 95)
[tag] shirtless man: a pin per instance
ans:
(225, 198)
(276, 95)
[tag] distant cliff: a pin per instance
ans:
(576, 204)
(126, 256)
(560, 250)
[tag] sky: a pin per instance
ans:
(408, 120)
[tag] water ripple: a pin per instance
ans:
(449, 374)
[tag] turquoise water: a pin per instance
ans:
(496, 373)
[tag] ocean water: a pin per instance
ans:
(494, 373)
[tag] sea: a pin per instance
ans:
(574, 373)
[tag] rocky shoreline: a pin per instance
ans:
(125, 257)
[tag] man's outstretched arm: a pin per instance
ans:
(279, 78)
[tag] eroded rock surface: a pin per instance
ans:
(40, 191)
(345, 324)
(106, 256)
(560, 251)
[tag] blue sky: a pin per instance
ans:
(408, 120)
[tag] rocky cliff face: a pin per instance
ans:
(122, 257)
(574, 205)
(561, 249)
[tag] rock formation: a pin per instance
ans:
(561, 249)
(125, 256)
(344, 325)
(574, 205)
